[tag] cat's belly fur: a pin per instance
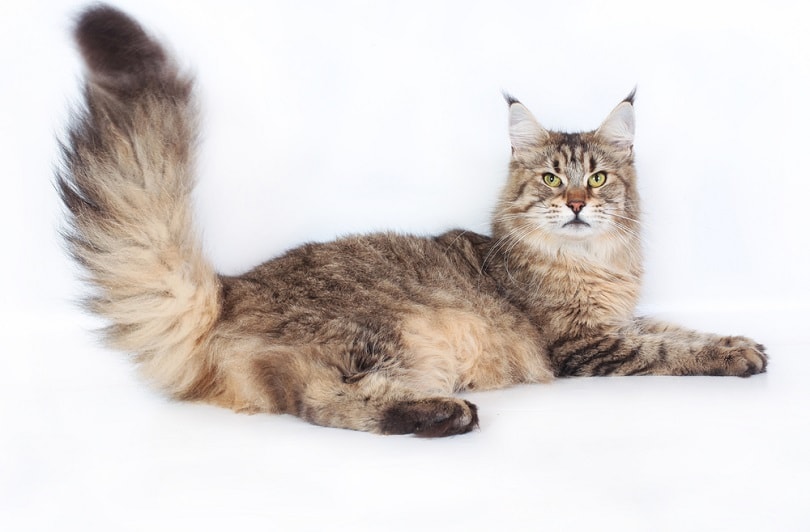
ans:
(455, 349)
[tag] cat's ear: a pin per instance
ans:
(619, 127)
(525, 131)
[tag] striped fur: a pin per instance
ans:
(370, 332)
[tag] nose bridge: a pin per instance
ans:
(576, 195)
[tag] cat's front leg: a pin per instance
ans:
(698, 353)
(649, 347)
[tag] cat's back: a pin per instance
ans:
(375, 271)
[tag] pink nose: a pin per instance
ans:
(576, 205)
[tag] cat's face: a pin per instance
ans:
(570, 190)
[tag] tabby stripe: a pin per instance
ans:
(559, 343)
(663, 356)
(584, 356)
(610, 367)
(520, 191)
(565, 368)
(643, 370)
(528, 207)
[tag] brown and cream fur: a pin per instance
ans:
(373, 332)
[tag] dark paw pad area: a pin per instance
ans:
(430, 417)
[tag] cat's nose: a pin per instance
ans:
(576, 205)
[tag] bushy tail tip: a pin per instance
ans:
(116, 49)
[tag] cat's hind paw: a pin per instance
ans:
(430, 417)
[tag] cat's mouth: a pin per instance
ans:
(576, 222)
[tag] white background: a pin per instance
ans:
(326, 118)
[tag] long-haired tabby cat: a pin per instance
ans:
(373, 332)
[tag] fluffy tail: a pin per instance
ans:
(126, 181)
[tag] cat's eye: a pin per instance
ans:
(552, 180)
(597, 180)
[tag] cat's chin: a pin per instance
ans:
(580, 239)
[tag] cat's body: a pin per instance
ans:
(370, 332)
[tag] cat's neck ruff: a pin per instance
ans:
(608, 254)
(598, 281)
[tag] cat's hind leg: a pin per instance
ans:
(376, 401)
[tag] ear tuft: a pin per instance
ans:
(631, 98)
(509, 98)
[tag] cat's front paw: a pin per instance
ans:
(736, 356)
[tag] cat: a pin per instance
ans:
(373, 332)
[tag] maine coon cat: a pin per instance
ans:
(371, 332)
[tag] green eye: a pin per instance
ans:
(597, 180)
(552, 180)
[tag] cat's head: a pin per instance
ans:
(571, 191)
